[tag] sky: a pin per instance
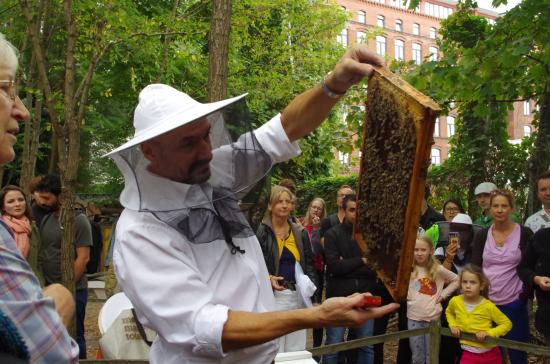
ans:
(486, 4)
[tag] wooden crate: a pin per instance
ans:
(397, 138)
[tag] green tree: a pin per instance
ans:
(480, 77)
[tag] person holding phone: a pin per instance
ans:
(455, 254)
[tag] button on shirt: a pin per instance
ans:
(183, 291)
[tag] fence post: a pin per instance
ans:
(435, 340)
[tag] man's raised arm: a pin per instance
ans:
(309, 109)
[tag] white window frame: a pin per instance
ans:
(437, 128)
(451, 128)
(361, 37)
(527, 107)
(343, 158)
(417, 53)
(416, 29)
(399, 49)
(433, 32)
(362, 17)
(380, 21)
(381, 45)
(398, 25)
(527, 130)
(342, 38)
(436, 156)
(434, 53)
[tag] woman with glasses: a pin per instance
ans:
(287, 253)
(498, 250)
(451, 208)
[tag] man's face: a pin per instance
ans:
(182, 155)
(11, 112)
(46, 200)
(350, 210)
(544, 191)
(484, 201)
(343, 192)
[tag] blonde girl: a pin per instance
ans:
(472, 312)
(429, 285)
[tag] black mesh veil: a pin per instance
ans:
(207, 211)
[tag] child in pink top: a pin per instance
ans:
(429, 285)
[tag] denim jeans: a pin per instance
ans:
(335, 335)
(516, 311)
(81, 297)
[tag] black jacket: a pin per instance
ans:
(430, 217)
(535, 261)
(346, 272)
(478, 246)
(270, 248)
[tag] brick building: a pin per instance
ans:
(411, 35)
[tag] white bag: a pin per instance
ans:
(304, 285)
(123, 339)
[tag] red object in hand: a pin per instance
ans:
(371, 301)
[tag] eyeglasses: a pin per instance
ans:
(452, 209)
(8, 87)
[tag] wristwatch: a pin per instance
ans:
(330, 93)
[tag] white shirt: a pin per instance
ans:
(538, 220)
(183, 291)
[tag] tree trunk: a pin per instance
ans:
(166, 43)
(539, 161)
(218, 48)
(32, 131)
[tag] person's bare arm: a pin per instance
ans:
(309, 109)
(244, 329)
(82, 258)
(63, 300)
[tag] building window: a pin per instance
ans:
(343, 158)
(433, 53)
(361, 37)
(362, 17)
(526, 107)
(399, 50)
(380, 21)
(416, 29)
(342, 38)
(436, 128)
(450, 126)
(381, 45)
(526, 130)
(417, 53)
(438, 11)
(399, 25)
(436, 157)
(433, 32)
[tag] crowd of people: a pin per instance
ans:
(472, 277)
(214, 290)
(37, 232)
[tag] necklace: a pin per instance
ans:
(283, 232)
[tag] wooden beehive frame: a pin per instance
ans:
(425, 111)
